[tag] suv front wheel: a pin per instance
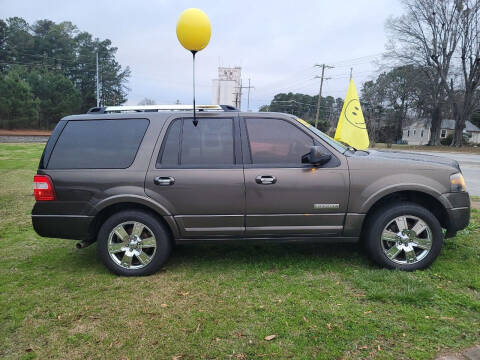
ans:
(133, 243)
(403, 236)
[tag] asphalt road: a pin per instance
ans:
(23, 139)
(470, 165)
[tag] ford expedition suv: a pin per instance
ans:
(137, 180)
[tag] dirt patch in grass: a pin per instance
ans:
(24, 132)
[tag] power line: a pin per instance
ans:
(44, 56)
(341, 63)
(54, 67)
(302, 79)
(294, 74)
(338, 64)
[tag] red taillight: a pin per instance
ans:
(43, 188)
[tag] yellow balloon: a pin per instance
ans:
(193, 29)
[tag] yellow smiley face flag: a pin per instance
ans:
(351, 127)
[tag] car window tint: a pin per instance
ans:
(208, 143)
(98, 144)
(274, 141)
(172, 144)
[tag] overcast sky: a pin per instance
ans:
(275, 42)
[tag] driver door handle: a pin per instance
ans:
(265, 179)
(164, 180)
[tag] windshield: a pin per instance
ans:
(333, 143)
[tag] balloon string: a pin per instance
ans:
(195, 122)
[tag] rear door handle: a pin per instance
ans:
(164, 180)
(265, 179)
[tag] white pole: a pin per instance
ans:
(98, 85)
(248, 96)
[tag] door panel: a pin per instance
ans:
(304, 201)
(284, 196)
(204, 202)
(199, 178)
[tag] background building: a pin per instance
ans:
(226, 90)
(418, 133)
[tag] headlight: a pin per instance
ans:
(457, 183)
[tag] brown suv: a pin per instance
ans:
(138, 179)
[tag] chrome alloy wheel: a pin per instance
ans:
(406, 239)
(132, 245)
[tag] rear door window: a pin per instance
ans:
(209, 144)
(98, 144)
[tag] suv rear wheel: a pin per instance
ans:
(403, 236)
(133, 243)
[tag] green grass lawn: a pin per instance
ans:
(221, 301)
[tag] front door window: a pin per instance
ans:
(275, 141)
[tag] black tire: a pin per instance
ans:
(162, 239)
(383, 217)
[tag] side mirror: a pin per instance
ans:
(316, 156)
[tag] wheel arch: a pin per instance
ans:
(101, 216)
(426, 200)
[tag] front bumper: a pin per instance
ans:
(458, 216)
(458, 219)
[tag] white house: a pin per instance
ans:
(418, 133)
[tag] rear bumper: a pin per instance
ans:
(73, 227)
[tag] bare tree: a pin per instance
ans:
(463, 100)
(147, 101)
(373, 99)
(401, 91)
(427, 36)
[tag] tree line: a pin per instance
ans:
(48, 70)
(305, 106)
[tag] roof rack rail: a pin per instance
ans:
(158, 108)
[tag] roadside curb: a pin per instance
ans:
(468, 354)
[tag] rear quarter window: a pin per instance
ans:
(98, 144)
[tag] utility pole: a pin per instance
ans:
(240, 94)
(98, 85)
(320, 92)
(248, 96)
